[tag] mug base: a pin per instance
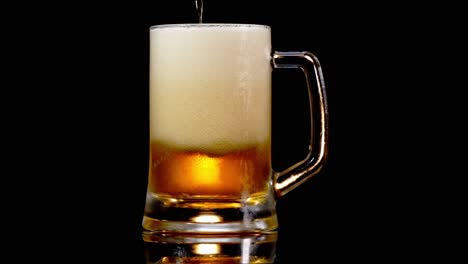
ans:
(202, 215)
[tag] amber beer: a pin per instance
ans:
(199, 173)
(210, 112)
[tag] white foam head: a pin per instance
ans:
(210, 85)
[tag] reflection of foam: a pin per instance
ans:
(210, 86)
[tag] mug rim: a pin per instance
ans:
(209, 25)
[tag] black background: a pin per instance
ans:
(85, 130)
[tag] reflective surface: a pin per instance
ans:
(190, 248)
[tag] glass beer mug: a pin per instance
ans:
(210, 128)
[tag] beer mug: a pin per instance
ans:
(210, 128)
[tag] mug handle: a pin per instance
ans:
(296, 174)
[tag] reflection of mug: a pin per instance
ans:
(210, 248)
(210, 128)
